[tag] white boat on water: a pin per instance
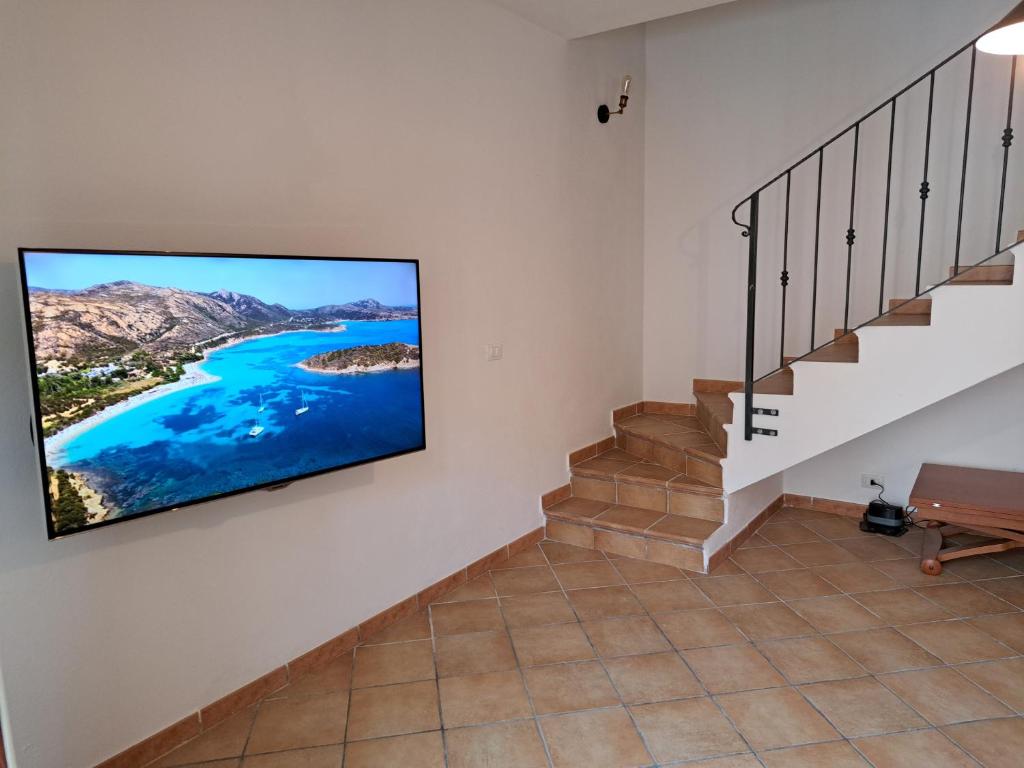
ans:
(257, 429)
(304, 408)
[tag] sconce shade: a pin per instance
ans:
(1007, 37)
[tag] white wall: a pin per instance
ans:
(445, 130)
(738, 92)
(980, 427)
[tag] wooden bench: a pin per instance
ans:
(952, 500)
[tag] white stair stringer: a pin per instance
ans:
(976, 332)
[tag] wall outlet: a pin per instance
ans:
(493, 352)
(868, 480)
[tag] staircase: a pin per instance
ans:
(671, 485)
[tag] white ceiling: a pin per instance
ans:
(576, 18)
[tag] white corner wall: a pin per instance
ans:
(735, 93)
(979, 427)
(445, 130)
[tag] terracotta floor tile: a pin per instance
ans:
(551, 644)
(479, 588)
(640, 571)
(1014, 558)
(602, 738)
(793, 585)
(787, 533)
(884, 650)
(1003, 679)
(529, 556)
(604, 602)
(294, 723)
(415, 627)
(819, 553)
(996, 743)
(729, 668)
(315, 757)
(1011, 590)
(629, 518)
(855, 577)
(415, 750)
(917, 749)
(474, 654)
(837, 613)
(1008, 628)
(579, 507)
(226, 739)
(861, 707)
(725, 568)
(698, 629)
(979, 567)
(956, 642)
(231, 762)
(333, 678)
(535, 610)
(734, 590)
(901, 606)
(908, 573)
(686, 730)
(502, 745)
(557, 553)
(768, 621)
(871, 549)
(775, 718)
(746, 760)
(626, 636)
(393, 710)
(569, 687)
(795, 514)
(764, 560)
(393, 663)
(667, 596)
(965, 600)
(754, 541)
(582, 575)
(809, 660)
(525, 581)
(943, 696)
(469, 616)
(652, 677)
(486, 698)
(835, 527)
(834, 754)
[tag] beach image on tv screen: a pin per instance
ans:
(164, 380)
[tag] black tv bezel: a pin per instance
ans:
(40, 442)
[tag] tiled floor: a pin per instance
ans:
(816, 645)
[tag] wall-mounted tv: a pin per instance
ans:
(162, 380)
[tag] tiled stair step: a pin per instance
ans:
(638, 533)
(714, 410)
(617, 477)
(1001, 274)
(679, 443)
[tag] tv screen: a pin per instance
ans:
(167, 379)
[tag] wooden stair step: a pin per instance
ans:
(832, 353)
(985, 273)
(910, 306)
(890, 320)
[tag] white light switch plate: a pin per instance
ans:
(494, 352)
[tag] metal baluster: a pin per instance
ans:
(888, 192)
(784, 277)
(748, 381)
(925, 188)
(817, 241)
(851, 235)
(1007, 141)
(963, 170)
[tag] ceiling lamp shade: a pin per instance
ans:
(1006, 37)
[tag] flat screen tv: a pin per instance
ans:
(163, 380)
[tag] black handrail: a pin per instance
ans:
(754, 203)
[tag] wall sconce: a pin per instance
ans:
(604, 114)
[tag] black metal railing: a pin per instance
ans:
(898, 210)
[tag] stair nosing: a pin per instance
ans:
(593, 522)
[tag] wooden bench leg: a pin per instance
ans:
(930, 549)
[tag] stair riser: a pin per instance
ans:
(712, 425)
(649, 497)
(637, 547)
